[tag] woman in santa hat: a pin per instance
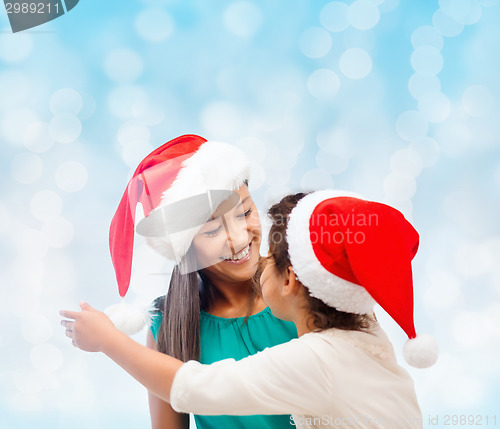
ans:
(212, 310)
(332, 255)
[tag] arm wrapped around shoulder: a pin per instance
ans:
(270, 382)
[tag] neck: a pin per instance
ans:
(303, 327)
(303, 321)
(232, 299)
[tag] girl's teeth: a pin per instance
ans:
(239, 255)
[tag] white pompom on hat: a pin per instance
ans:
(165, 191)
(351, 253)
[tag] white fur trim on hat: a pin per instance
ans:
(214, 166)
(322, 284)
(129, 319)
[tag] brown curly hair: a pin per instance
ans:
(323, 316)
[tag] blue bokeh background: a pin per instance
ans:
(396, 100)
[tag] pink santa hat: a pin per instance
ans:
(351, 253)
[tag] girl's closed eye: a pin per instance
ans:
(213, 232)
(246, 214)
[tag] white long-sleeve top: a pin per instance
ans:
(327, 379)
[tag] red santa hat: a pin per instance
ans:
(173, 191)
(351, 253)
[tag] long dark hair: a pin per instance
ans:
(323, 316)
(179, 333)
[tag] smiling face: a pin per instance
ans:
(228, 245)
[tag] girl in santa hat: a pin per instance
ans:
(212, 309)
(332, 255)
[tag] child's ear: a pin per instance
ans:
(291, 284)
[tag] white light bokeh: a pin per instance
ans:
(89, 106)
(387, 5)
(355, 63)
(353, 38)
(36, 329)
(26, 168)
(451, 378)
(15, 122)
(398, 188)
(428, 149)
(443, 291)
(473, 260)
(315, 42)
(46, 357)
(123, 65)
(46, 205)
(363, 14)
(30, 243)
(323, 84)
(132, 131)
(60, 278)
(434, 106)
(65, 128)
(223, 119)
(406, 163)
(135, 151)
(15, 48)
(257, 178)
(459, 133)
(275, 193)
(331, 163)
(333, 16)
(148, 113)
(488, 3)
(66, 100)
(445, 25)
(254, 148)
(123, 99)
(411, 125)
(154, 25)
(242, 18)
(28, 385)
(477, 101)
(497, 175)
(58, 232)
(420, 84)
(37, 137)
(5, 218)
(316, 179)
(469, 330)
(336, 141)
(28, 273)
(465, 12)
(71, 176)
(16, 87)
(427, 60)
(427, 35)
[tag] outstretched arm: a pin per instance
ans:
(93, 331)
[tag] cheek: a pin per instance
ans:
(253, 224)
(208, 248)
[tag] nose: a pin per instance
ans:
(237, 234)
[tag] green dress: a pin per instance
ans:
(223, 338)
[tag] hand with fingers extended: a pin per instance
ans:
(89, 328)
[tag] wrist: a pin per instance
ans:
(111, 340)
